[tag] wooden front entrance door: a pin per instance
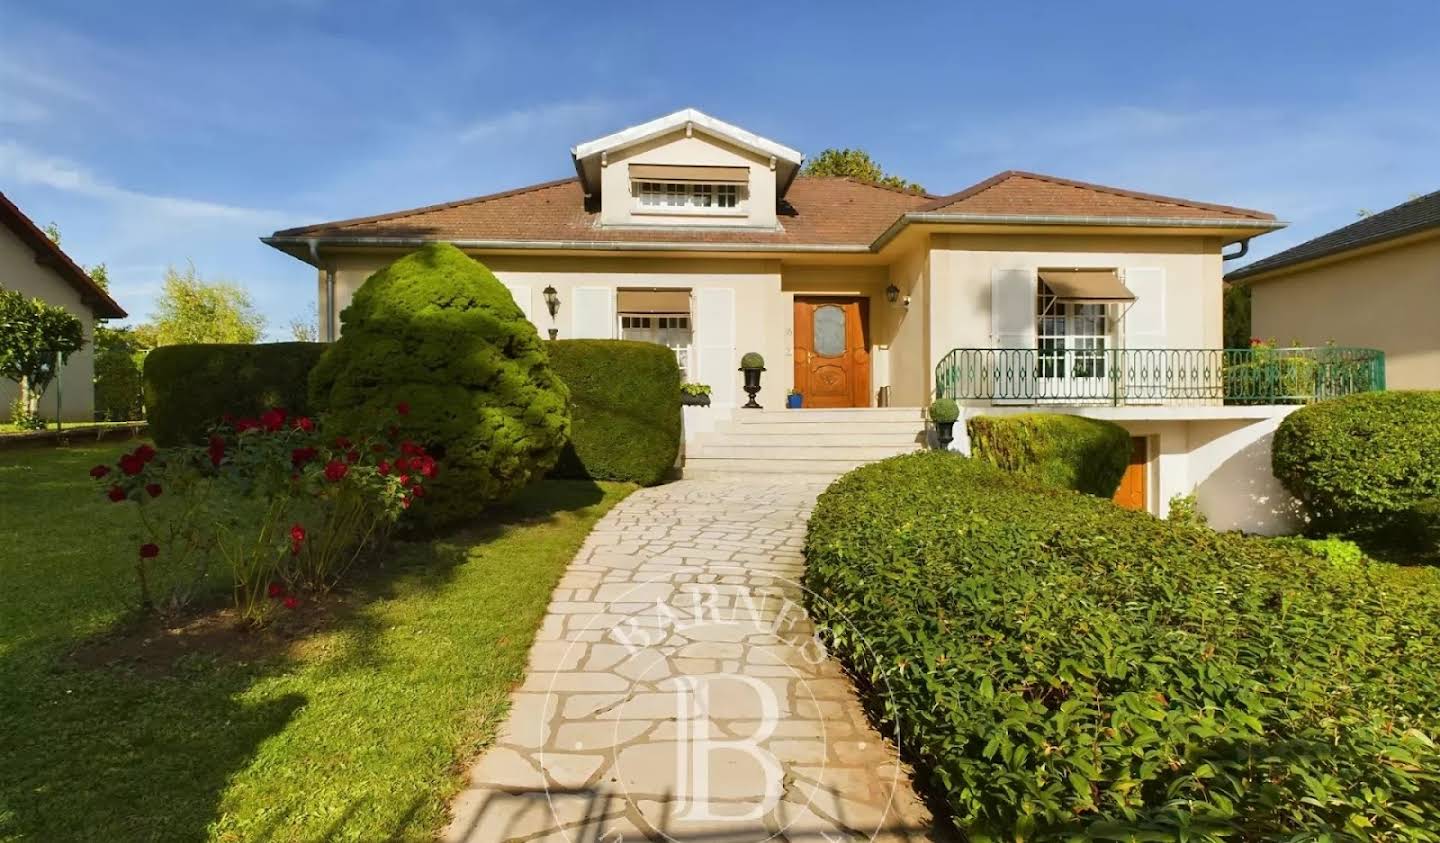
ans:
(1131, 493)
(832, 351)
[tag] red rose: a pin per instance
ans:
(145, 453)
(303, 423)
(131, 465)
(418, 491)
(149, 550)
(99, 471)
(335, 471)
(300, 456)
(273, 419)
(276, 589)
(425, 465)
(404, 480)
(405, 502)
(116, 494)
(297, 533)
(410, 449)
(403, 408)
(383, 467)
(402, 464)
(292, 602)
(352, 457)
(154, 489)
(342, 442)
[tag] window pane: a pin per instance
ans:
(829, 331)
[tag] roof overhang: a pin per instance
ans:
(587, 156)
(1229, 230)
(48, 254)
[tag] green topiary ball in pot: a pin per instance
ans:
(437, 331)
(752, 360)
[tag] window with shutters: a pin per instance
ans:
(1070, 338)
(671, 330)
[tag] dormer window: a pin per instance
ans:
(659, 195)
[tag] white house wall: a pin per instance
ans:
(20, 271)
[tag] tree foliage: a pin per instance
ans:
(1236, 318)
(119, 358)
(856, 164)
(192, 310)
(32, 334)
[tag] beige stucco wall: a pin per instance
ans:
(1385, 299)
(618, 205)
(19, 271)
(909, 352)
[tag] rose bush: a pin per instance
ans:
(286, 505)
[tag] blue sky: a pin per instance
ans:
(154, 132)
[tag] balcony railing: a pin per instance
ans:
(1148, 376)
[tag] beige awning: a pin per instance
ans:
(652, 301)
(698, 173)
(1089, 286)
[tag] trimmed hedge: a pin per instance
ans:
(1358, 464)
(1061, 668)
(1071, 452)
(189, 387)
(437, 331)
(624, 409)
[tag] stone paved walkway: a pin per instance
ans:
(676, 691)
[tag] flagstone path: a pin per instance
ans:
(676, 691)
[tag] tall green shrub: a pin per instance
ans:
(189, 387)
(1071, 452)
(624, 408)
(437, 331)
(1059, 668)
(1358, 464)
(119, 383)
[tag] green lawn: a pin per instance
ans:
(358, 733)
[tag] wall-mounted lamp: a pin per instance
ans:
(892, 294)
(552, 300)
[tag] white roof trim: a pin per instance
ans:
(671, 122)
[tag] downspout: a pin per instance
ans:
(1244, 250)
(328, 335)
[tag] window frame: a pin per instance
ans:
(689, 198)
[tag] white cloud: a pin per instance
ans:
(535, 119)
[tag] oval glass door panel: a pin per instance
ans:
(829, 331)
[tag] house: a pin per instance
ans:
(1375, 282)
(31, 263)
(1021, 291)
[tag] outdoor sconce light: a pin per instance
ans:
(552, 300)
(892, 295)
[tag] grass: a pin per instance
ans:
(358, 732)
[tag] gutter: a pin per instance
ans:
(573, 245)
(918, 217)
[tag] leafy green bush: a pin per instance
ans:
(1185, 511)
(1071, 452)
(1424, 523)
(944, 410)
(624, 409)
(1360, 463)
(1061, 668)
(435, 329)
(1336, 551)
(189, 387)
(119, 385)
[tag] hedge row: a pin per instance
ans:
(189, 387)
(1058, 667)
(625, 407)
(1071, 452)
(1361, 464)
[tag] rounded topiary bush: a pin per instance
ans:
(1072, 452)
(437, 331)
(1059, 668)
(1358, 464)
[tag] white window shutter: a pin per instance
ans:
(716, 361)
(1145, 318)
(521, 294)
(1012, 308)
(592, 313)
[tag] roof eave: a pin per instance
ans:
(283, 243)
(670, 122)
(1250, 274)
(1256, 226)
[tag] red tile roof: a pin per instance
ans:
(49, 254)
(819, 211)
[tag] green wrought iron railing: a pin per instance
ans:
(1141, 376)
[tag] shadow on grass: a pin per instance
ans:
(116, 752)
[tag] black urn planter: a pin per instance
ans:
(944, 434)
(752, 386)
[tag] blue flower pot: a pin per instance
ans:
(794, 402)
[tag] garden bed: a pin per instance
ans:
(347, 719)
(12, 437)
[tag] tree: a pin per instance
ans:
(98, 273)
(119, 361)
(34, 336)
(306, 328)
(1236, 316)
(192, 310)
(856, 164)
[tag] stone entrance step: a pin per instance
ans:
(804, 441)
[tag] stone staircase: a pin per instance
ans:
(827, 442)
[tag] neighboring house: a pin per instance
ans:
(1375, 282)
(1021, 291)
(31, 263)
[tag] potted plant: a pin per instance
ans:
(944, 412)
(752, 364)
(694, 395)
(794, 400)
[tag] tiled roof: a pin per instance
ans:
(1412, 217)
(1014, 192)
(816, 211)
(51, 255)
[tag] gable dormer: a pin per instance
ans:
(686, 169)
